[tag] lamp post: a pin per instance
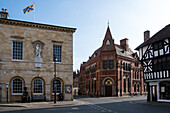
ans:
(95, 85)
(55, 82)
(7, 90)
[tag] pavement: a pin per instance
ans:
(145, 102)
(50, 104)
(35, 105)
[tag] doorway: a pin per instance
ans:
(108, 90)
(154, 93)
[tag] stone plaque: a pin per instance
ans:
(38, 62)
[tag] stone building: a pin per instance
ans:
(27, 53)
(112, 70)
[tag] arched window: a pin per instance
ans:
(124, 89)
(123, 66)
(128, 80)
(134, 87)
(37, 86)
(126, 67)
(138, 88)
(17, 85)
(58, 85)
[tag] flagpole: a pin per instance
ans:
(34, 11)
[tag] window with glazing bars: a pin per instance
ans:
(57, 51)
(17, 85)
(38, 86)
(17, 52)
(58, 86)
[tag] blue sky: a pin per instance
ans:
(127, 18)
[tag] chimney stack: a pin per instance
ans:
(146, 35)
(124, 43)
(4, 14)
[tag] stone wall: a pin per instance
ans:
(25, 68)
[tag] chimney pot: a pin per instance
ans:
(5, 10)
(2, 9)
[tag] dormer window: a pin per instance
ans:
(95, 55)
(107, 42)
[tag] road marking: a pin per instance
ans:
(98, 108)
(75, 108)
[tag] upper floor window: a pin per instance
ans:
(158, 46)
(136, 64)
(126, 66)
(17, 52)
(123, 66)
(110, 64)
(57, 51)
(104, 64)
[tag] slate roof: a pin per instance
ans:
(160, 35)
(121, 52)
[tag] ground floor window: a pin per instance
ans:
(17, 85)
(165, 90)
(58, 85)
(134, 87)
(37, 86)
(137, 87)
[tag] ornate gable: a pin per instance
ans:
(108, 42)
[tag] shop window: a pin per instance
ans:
(165, 90)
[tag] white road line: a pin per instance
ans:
(99, 108)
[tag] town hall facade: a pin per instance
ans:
(27, 53)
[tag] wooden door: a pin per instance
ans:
(108, 90)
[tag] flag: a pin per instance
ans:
(28, 9)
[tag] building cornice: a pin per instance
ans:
(36, 25)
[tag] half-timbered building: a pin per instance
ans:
(155, 57)
(112, 70)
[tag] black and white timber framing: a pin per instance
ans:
(154, 54)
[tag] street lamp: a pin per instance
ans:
(95, 85)
(55, 81)
(7, 90)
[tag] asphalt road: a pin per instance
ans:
(102, 105)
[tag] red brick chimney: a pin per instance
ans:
(124, 43)
(146, 35)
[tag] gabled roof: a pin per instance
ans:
(120, 50)
(108, 40)
(162, 34)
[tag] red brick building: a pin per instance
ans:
(112, 70)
